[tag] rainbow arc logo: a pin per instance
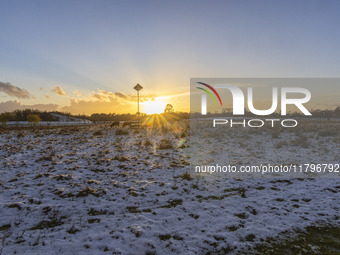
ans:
(209, 93)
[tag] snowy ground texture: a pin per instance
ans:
(95, 190)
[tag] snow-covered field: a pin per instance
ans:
(96, 190)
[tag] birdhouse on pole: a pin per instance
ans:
(138, 88)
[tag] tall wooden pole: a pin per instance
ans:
(138, 87)
(138, 102)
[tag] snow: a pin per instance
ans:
(65, 190)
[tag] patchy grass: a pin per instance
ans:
(173, 203)
(164, 237)
(186, 176)
(165, 144)
(47, 224)
(90, 191)
(98, 133)
(72, 230)
(122, 131)
(147, 142)
(315, 240)
(302, 141)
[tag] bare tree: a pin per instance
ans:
(169, 108)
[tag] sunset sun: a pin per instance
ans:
(154, 106)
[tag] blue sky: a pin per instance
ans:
(91, 48)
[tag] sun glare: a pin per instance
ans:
(154, 106)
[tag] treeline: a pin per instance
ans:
(112, 117)
(326, 113)
(22, 115)
(130, 117)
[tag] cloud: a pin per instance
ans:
(59, 91)
(78, 93)
(101, 97)
(14, 91)
(99, 106)
(180, 94)
(121, 95)
(104, 96)
(101, 101)
(107, 96)
(13, 105)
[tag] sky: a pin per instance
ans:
(85, 56)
